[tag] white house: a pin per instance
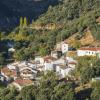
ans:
(64, 47)
(60, 61)
(63, 70)
(39, 60)
(72, 64)
(40, 68)
(11, 50)
(48, 66)
(95, 79)
(88, 51)
(49, 63)
(13, 66)
(28, 73)
(26, 70)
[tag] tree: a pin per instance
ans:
(51, 89)
(25, 22)
(8, 94)
(20, 55)
(63, 91)
(95, 95)
(87, 74)
(2, 59)
(21, 22)
(28, 93)
(47, 84)
(87, 68)
(2, 86)
(17, 45)
(43, 51)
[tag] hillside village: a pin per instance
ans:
(24, 73)
(50, 50)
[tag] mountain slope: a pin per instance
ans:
(75, 15)
(12, 10)
(58, 24)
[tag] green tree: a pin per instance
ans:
(20, 55)
(63, 91)
(17, 45)
(28, 93)
(25, 22)
(95, 95)
(51, 89)
(2, 59)
(8, 94)
(43, 51)
(21, 22)
(87, 74)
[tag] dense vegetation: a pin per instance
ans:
(49, 89)
(73, 16)
(79, 14)
(87, 68)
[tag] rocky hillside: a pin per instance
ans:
(86, 39)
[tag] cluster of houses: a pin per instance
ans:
(23, 71)
(20, 74)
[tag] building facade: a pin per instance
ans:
(88, 52)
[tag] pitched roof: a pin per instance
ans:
(72, 62)
(49, 58)
(23, 82)
(9, 72)
(90, 49)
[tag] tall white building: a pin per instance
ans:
(63, 46)
(63, 70)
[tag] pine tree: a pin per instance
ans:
(25, 22)
(21, 22)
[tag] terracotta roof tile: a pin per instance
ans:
(9, 72)
(23, 81)
(72, 62)
(90, 49)
(48, 58)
